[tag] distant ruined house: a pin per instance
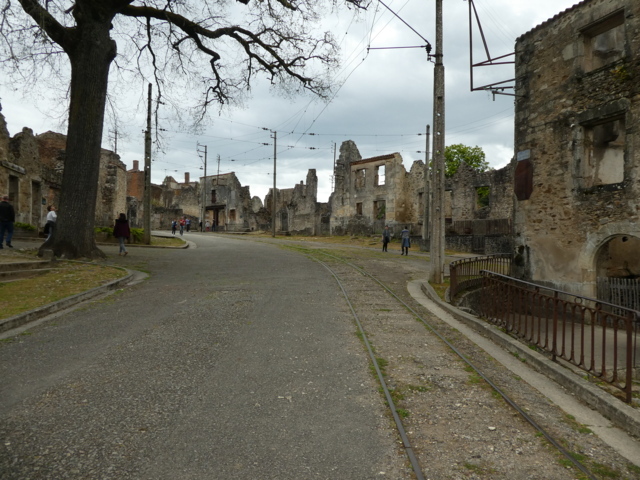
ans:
(374, 192)
(228, 205)
(31, 174)
(577, 211)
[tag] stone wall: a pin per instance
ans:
(577, 104)
(374, 192)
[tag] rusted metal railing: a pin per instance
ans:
(595, 336)
(465, 274)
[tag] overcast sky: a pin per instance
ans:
(383, 103)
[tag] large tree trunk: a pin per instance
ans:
(91, 55)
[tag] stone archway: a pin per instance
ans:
(618, 271)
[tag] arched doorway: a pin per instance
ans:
(618, 271)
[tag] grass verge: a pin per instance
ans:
(69, 278)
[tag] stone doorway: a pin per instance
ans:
(618, 271)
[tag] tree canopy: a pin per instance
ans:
(214, 47)
(457, 153)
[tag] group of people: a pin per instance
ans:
(183, 223)
(405, 239)
(121, 228)
(8, 218)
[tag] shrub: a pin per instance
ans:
(25, 226)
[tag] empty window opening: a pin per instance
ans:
(604, 41)
(604, 153)
(379, 209)
(232, 215)
(214, 198)
(361, 179)
(380, 175)
(359, 208)
(482, 196)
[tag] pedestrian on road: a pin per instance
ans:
(386, 238)
(406, 241)
(52, 218)
(183, 222)
(207, 224)
(188, 224)
(174, 225)
(121, 231)
(7, 217)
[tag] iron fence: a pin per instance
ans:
(465, 274)
(595, 336)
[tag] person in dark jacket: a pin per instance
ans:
(7, 217)
(386, 238)
(121, 231)
(406, 241)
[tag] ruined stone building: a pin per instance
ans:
(297, 209)
(374, 192)
(228, 205)
(479, 209)
(31, 174)
(576, 178)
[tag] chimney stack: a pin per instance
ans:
(186, 177)
(135, 165)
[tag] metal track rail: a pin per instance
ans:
(405, 440)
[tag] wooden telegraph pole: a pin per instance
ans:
(273, 215)
(436, 274)
(147, 176)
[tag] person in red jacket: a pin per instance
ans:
(121, 231)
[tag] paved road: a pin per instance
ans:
(234, 360)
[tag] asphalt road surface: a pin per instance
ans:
(234, 360)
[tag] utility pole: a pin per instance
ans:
(204, 186)
(146, 238)
(436, 249)
(427, 187)
(273, 215)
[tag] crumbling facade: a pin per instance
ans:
(479, 209)
(31, 174)
(228, 205)
(576, 140)
(298, 211)
(374, 192)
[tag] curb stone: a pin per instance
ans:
(619, 413)
(40, 312)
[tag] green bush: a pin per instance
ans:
(25, 226)
(137, 234)
(107, 230)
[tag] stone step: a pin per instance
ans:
(12, 275)
(26, 265)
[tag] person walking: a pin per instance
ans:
(183, 222)
(188, 224)
(386, 238)
(7, 218)
(174, 225)
(52, 218)
(406, 241)
(121, 231)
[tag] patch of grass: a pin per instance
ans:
(69, 278)
(578, 427)
(517, 355)
(167, 241)
(441, 288)
(633, 468)
(604, 471)
(417, 388)
(402, 413)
